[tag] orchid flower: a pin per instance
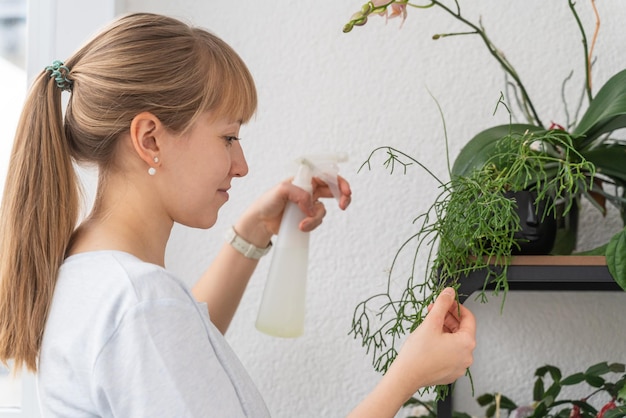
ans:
(389, 9)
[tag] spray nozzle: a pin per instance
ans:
(323, 166)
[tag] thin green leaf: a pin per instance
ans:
(598, 369)
(563, 413)
(555, 372)
(538, 390)
(548, 400)
(552, 392)
(483, 147)
(507, 403)
(616, 258)
(540, 411)
(608, 159)
(595, 381)
(617, 367)
(574, 379)
(619, 412)
(485, 399)
(607, 111)
(622, 393)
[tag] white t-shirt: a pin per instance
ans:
(125, 338)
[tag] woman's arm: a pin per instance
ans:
(223, 283)
(438, 352)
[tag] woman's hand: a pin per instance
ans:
(222, 285)
(440, 350)
(262, 219)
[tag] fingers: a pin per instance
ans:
(313, 208)
(300, 197)
(321, 189)
(445, 302)
(452, 319)
(468, 321)
(346, 193)
(310, 223)
(451, 323)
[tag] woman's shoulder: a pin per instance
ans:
(97, 294)
(119, 273)
(95, 291)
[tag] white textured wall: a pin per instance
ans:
(323, 90)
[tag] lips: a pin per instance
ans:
(224, 191)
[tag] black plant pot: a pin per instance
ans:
(541, 232)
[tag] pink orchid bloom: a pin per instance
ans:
(522, 412)
(393, 10)
(398, 10)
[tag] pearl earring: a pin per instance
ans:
(152, 170)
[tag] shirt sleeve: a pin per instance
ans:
(161, 362)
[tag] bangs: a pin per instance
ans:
(229, 89)
(237, 96)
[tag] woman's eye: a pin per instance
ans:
(230, 139)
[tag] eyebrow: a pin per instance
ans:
(236, 124)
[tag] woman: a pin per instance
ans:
(157, 106)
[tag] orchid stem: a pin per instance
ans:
(585, 50)
(506, 65)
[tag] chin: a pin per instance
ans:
(200, 223)
(206, 224)
(200, 218)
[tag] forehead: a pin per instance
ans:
(216, 120)
(221, 118)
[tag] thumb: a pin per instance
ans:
(441, 307)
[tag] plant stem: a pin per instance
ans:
(417, 6)
(584, 42)
(506, 65)
(593, 40)
(445, 133)
(392, 152)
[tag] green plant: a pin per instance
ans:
(471, 224)
(606, 398)
(549, 400)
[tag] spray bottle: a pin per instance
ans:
(281, 313)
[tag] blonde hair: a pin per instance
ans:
(141, 62)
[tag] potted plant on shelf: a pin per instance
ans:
(502, 175)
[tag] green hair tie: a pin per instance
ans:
(59, 72)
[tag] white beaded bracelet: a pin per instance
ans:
(244, 247)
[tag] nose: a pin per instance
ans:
(238, 164)
(532, 217)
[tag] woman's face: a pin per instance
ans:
(196, 170)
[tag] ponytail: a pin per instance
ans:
(38, 214)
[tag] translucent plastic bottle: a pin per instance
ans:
(282, 309)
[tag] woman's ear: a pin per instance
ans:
(144, 129)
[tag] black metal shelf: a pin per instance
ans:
(541, 273)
